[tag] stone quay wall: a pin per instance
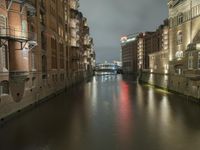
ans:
(175, 83)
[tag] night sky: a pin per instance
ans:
(110, 19)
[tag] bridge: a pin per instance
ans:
(107, 68)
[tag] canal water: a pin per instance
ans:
(107, 113)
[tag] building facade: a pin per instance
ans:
(129, 54)
(41, 50)
(177, 67)
(159, 60)
(184, 50)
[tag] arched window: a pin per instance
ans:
(179, 55)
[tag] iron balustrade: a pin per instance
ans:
(12, 33)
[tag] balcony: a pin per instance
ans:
(73, 33)
(86, 42)
(14, 34)
(85, 24)
(85, 54)
(74, 4)
(74, 43)
(73, 23)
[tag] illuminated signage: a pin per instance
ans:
(125, 39)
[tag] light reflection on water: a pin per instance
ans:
(125, 116)
(107, 113)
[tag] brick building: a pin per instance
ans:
(159, 60)
(41, 50)
(129, 54)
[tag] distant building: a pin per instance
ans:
(140, 51)
(159, 60)
(129, 54)
(148, 43)
(118, 63)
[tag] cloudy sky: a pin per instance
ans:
(110, 19)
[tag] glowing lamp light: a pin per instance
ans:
(198, 46)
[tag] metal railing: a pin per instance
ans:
(12, 33)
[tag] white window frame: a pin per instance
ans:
(198, 61)
(4, 58)
(179, 37)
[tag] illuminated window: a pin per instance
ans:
(190, 60)
(180, 18)
(179, 55)
(2, 21)
(198, 60)
(4, 87)
(179, 37)
(33, 61)
(24, 27)
(4, 58)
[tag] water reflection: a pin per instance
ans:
(125, 116)
(107, 113)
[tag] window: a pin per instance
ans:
(4, 87)
(24, 28)
(62, 77)
(190, 60)
(180, 18)
(62, 65)
(44, 64)
(43, 40)
(2, 25)
(42, 18)
(33, 82)
(33, 61)
(2, 21)
(198, 60)
(179, 55)
(54, 53)
(179, 37)
(3, 58)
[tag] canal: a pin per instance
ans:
(107, 113)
